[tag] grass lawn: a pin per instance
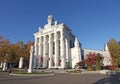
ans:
(117, 69)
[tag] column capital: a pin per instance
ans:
(62, 35)
(62, 38)
(62, 32)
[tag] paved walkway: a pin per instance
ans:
(61, 78)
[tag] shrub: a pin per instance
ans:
(99, 61)
(68, 65)
(90, 68)
(90, 61)
(111, 67)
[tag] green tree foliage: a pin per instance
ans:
(68, 65)
(99, 61)
(114, 48)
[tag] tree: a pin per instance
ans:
(20, 49)
(15, 51)
(90, 60)
(114, 49)
(23, 50)
(4, 45)
(26, 55)
(99, 61)
(13, 55)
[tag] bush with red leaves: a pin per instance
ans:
(111, 67)
(91, 59)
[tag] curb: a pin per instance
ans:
(32, 74)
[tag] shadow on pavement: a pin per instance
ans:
(7, 77)
(112, 79)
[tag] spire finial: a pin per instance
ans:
(50, 19)
(76, 42)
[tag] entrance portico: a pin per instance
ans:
(51, 46)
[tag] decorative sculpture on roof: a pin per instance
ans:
(50, 19)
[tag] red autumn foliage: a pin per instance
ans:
(110, 67)
(91, 59)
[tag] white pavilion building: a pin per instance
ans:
(56, 47)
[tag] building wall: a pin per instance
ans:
(104, 53)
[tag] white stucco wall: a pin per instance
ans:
(104, 53)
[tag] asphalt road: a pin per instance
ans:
(5, 78)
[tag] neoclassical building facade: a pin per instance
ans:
(56, 47)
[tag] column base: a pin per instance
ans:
(3, 69)
(29, 70)
(62, 68)
(49, 67)
(56, 68)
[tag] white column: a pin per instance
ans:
(31, 60)
(35, 53)
(66, 42)
(68, 53)
(1, 64)
(21, 62)
(4, 66)
(35, 46)
(50, 50)
(63, 62)
(56, 50)
(44, 54)
(40, 52)
(35, 61)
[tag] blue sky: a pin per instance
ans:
(94, 22)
